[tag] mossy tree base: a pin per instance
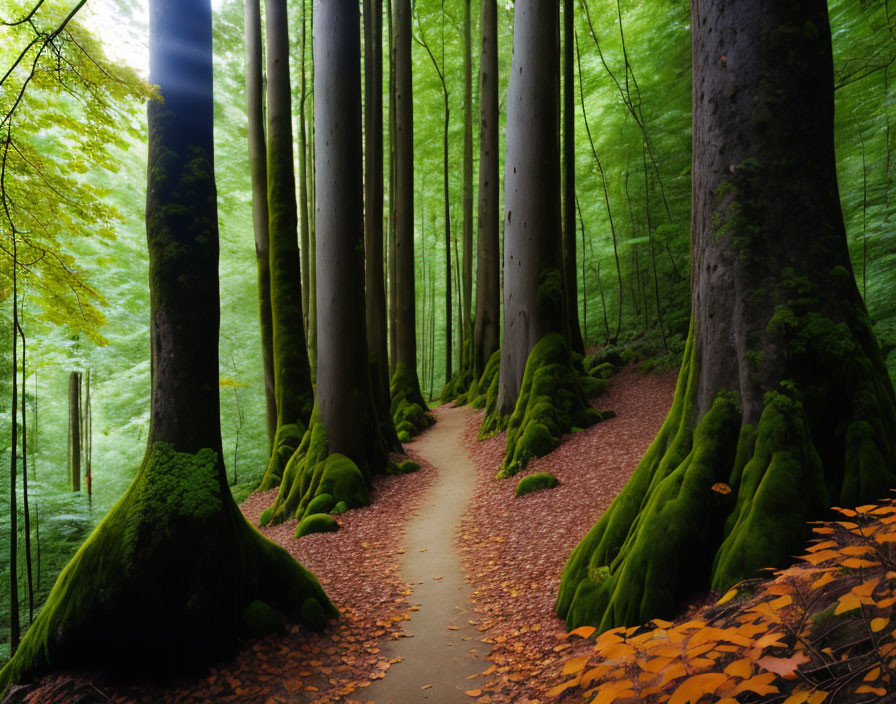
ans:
(551, 403)
(313, 475)
(713, 504)
(166, 581)
(409, 416)
(286, 440)
(486, 386)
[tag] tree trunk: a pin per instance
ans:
(569, 183)
(374, 274)
(783, 395)
(486, 334)
(390, 245)
(405, 383)
(304, 217)
(74, 430)
(466, 329)
(259, 174)
(165, 581)
(14, 626)
(537, 383)
(292, 372)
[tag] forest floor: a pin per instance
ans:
(510, 550)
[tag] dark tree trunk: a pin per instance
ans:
(74, 430)
(531, 194)
(345, 399)
(537, 383)
(783, 394)
(374, 274)
(405, 382)
(466, 330)
(292, 372)
(486, 334)
(14, 626)
(259, 174)
(569, 182)
(164, 581)
(304, 216)
(390, 244)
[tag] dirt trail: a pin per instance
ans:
(444, 649)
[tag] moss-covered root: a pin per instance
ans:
(710, 506)
(409, 417)
(165, 580)
(535, 482)
(484, 390)
(311, 473)
(551, 403)
(286, 440)
(456, 389)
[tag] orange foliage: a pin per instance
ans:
(822, 628)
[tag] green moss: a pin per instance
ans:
(405, 467)
(536, 482)
(339, 508)
(286, 440)
(163, 581)
(316, 523)
(604, 370)
(550, 403)
(592, 388)
(408, 416)
(311, 472)
(314, 615)
(259, 619)
(322, 503)
(487, 385)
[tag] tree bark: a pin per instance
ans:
(531, 194)
(304, 216)
(259, 175)
(374, 273)
(569, 183)
(292, 372)
(406, 330)
(466, 329)
(74, 430)
(783, 395)
(486, 334)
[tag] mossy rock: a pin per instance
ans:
(313, 616)
(316, 523)
(405, 467)
(536, 441)
(339, 508)
(614, 355)
(322, 503)
(536, 482)
(408, 415)
(344, 482)
(406, 427)
(260, 619)
(404, 436)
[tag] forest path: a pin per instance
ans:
(444, 649)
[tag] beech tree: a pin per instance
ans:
(783, 406)
(408, 407)
(259, 177)
(374, 274)
(174, 572)
(539, 395)
(487, 323)
(292, 372)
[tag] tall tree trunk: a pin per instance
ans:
(74, 430)
(783, 394)
(14, 626)
(390, 244)
(537, 382)
(486, 333)
(292, 372)
(374, 274)
(569, 183)
(405, 383)
(25, 498)
(164, 581)
(304, 217)
(466, 329)
(259, 175)
(531, 195)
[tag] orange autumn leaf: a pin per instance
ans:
(575, 665)
(740, 668)
(721, 488)
(785, 667)
(696, 686)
